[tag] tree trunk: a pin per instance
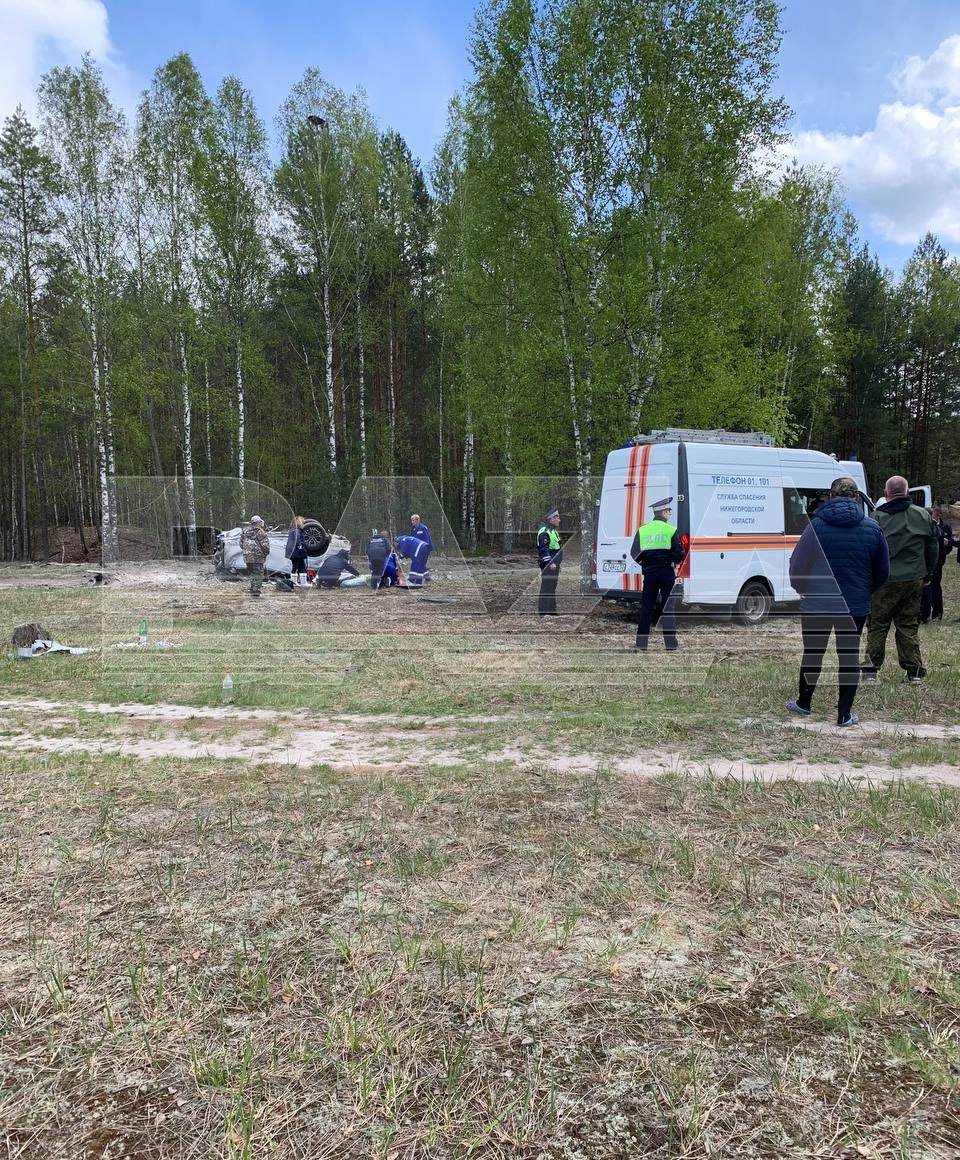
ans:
(208, 441)
(111, 451)
(581, 451)
(361, 372)
(25, 442)
(107, 521)
(37, 418)
(241, 428)
(328, 377)
(186, 420)
(508, 521)
(469, 504)
(440, 447)
(391, 394)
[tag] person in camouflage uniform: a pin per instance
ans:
(255, 545)
(914, 555)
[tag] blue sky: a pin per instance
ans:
(875, 86)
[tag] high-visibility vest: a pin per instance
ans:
(553, 537)
(655, 536)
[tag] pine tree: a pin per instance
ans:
(29, 183)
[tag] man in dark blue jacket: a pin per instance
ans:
(841, 560)
(378, 550)
(332, 566)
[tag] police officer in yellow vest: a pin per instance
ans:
(657, 548)
(549, 555)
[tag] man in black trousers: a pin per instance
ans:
(549, 556)
(838, 565)
(657, 548)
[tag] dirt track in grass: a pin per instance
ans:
(382, 743)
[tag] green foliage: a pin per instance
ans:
(598, 249)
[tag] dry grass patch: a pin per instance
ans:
(235, 962)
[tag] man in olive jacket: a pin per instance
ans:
(914, 555)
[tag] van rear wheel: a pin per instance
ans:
(753, 604)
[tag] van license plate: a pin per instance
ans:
(614, 565)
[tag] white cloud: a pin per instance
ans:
(931, 79)
(904, 172)
(37, 34)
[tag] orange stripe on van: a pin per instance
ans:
(640, 510)
(635, 507)
(741, 543)
(629, 490)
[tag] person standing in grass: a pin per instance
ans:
(914, 555)
(295, 551)
(255, 545)
(419, 529)
(658, 549)
(839, 563)
(931, 607)
(420, 571)
(549, 558)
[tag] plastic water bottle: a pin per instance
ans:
(227, 687)
(143, 632)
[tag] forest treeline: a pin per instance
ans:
(603, 242)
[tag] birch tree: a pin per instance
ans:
(172, 119)
(363, 182)
(85, 134)
(232, 200)
(313, 185)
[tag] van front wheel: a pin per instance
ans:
(753, 604)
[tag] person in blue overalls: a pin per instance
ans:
(391, 572)
(416, 551)
(658, 548)
(419, 529)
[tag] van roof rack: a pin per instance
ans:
(691, 435)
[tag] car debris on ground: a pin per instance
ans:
(31, 640)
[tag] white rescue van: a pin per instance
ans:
(739, 502)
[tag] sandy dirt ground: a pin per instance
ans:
(385, 743)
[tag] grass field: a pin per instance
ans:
(447, 884)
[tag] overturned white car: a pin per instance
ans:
(228, 559)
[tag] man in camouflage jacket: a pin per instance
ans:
(255, 545)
